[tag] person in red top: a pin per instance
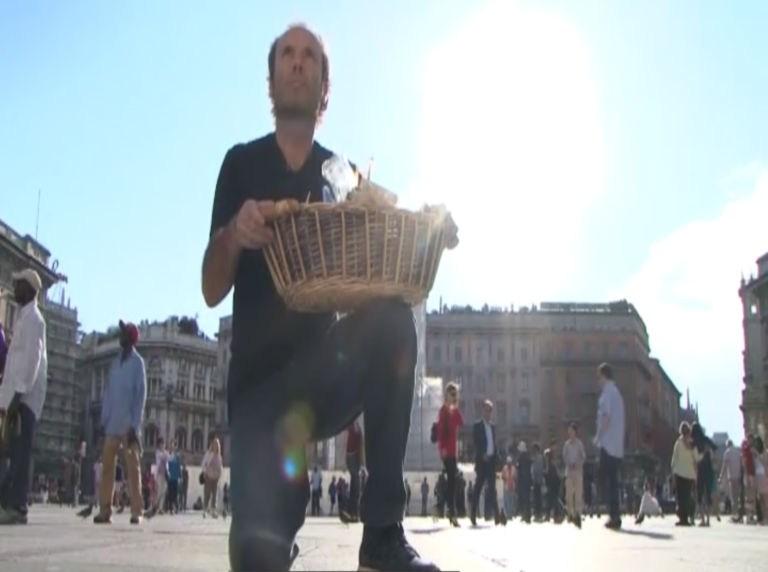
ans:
(750, 496)
(448, 422)
(355, 460)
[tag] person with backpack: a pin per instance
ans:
(448, 422)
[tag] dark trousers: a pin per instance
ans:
(14, 490)
(524, 499)
(315, 509)
(173, 495)
(365, 363)
(537, 500)
(684, 494)
(486, 476)
(353, 466)
(451, 471)
(553, 498)
(609, 483)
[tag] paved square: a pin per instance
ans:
(56, 540)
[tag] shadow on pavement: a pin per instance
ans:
(652, 535)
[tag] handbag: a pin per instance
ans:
(201, 478)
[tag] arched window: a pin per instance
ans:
(150, 436)
(181, 438)
(197, 440)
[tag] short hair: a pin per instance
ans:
(488, 403)
(452, 387)
(575, 426)
(325, 70)
(685, 428)
(605, 370)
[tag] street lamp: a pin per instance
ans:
(168, 402)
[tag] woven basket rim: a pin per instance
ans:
(352, 207)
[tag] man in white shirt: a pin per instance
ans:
(731, 474)
(610, 439)
(22, 394)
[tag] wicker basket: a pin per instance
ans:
(335, 257)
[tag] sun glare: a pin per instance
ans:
(511, 142)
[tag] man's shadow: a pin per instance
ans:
(648, 534)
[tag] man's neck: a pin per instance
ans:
(294, 138)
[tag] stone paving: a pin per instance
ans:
(56, 540)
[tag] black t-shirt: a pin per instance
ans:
(265, 334)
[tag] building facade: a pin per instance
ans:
(538, 365)
(60, 430)
(754, 301)
(183, 385)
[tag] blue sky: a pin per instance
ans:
(589, 150)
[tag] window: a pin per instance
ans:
(437, 353)
(525, 411)
(479, 354)
(481, 383)
(457, 353)
(587, 349)
(524, 354)
(181, 438)
(623, 350)
(525, 382)
(501, 381)
(150, 436)
(183, 389)
(500, 355)
(501, 412)
(753, 309)
(197, 440)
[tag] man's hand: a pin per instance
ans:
(249, 226)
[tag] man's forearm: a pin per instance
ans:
(219, 265)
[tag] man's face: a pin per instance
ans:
(487, 412)
(571, 433)
(297, 86)
(125, 338)
(23, 293)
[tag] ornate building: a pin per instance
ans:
(183, 384)
(538, 366)
(59, 428)
(754, 301)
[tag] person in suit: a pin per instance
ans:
(484, 436)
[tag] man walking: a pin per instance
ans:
(610, 440)
(731, 474)
(317, 490)
(574, 458)
(424, 496)
(122, 414)
(355, 460)
(484, 433)
(22, 395)
(297, 376)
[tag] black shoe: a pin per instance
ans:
(577, 521)
(294, 554)
(102, 518)
(613, 524)
(640, 518)
(473, 518)
(387, 549)
(135, 520)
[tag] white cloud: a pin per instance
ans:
(687, 293)
(511, 142)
